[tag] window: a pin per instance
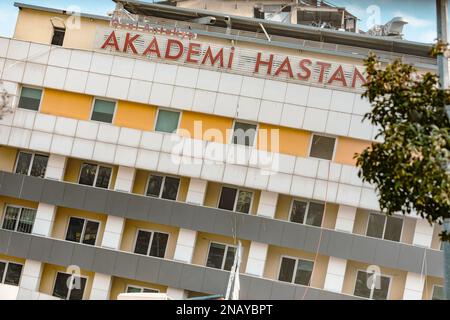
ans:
(95, 175)
(69, 286)
(31, 164)
(82, 230)
(58, 36)
(296, 270)
(19, 219)
(244, 133)
(384, 227)
(372, 286)
(220, 256)
(235, 200)
(151, 243)
(30, 98)
(322, 147)
(10, 273)
(136, 289)
(103, 110)
(167, 121)
(438, 293)
(163, 187)
(310, 213)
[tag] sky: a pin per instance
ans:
(421, 14)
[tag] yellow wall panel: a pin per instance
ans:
(119, 285)
(7, 158)
(283, 140)
(66, 104)
(11, 259)
(135, 115)
(205, 127)
(346, 149)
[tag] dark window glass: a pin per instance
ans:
(61, 289)
(131, 289)
(75, 229)
(215, 255)
(77, 288)
(304, 272)
(23, 162)
(322, 147)
(87, 176)
(170, 189)
(39, 166)
(244, 133)
(150, 290)
(298, 211)
(375, 227)
(393, 229)
(167, 121)
(30, 98)
(227, 198)
(159, 243)
(229, 259)
(286, 270)
(315, 214)
(2, 270)
(26, 220)
(11, 217)
(438, 292)
(103, 111)
(381, 292)
(154, 185)
(58, 36)
(362, 289)
(13, 273)
(104, 174)
(90, 232)
(244, 201)
(142, 242)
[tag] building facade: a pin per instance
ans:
(138, 155)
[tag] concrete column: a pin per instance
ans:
(43, 222)
(345, 218)
(414, 286)
(184, 250)
(334, 279)
(101, 287)
(423, 233)
(56, 167)
(31, 275)
(125, 179)
(267, 204)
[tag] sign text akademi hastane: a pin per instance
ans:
(186, 51)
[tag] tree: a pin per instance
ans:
(409, 167)
(5, 102)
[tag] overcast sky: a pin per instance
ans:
(420, 14)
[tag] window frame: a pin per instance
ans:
(6, 262)
(238, 189)
(164, 176)
(53, 35)
(18, 218)
(96, 174)
(33, 154)
(295, 268)
(69, 291)
(433, 289)
(171, 110)
(384, 227)
(104, 99)
(371, 290)
(84, 229)
(141, 288)
(150, 242)
(327, 136)
(224, 254)
(308, 202)
(31, 87)
(255, 139)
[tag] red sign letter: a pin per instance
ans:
(129, 43)
(178, 44)
(285, 67)
(323, 67)
(153, 47)
(114, 44)
(266, 63)
(194, 49)
(338, 75)
(219, 56)
(303, 65)
(358, 74)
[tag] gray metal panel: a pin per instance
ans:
(340, 244)
(260, 289)
(245, 285)
(271, 231)
(248, 227)
(225, 222)
(117, 203)
(434, 263)
(32, 188)
(306, 293)
(363, 249)
(282, 291)
(312, 239)
(74, 196)
(61, 253)
(104, 260)
(138, 207)
(203, 219)
(19, 244)
(53, 192)
(160, 210)
(386, 253)
(182, 215)
(170, 273)
(83, 256)
(147, 269)
(190, 276)
(40, 249)
(5, 237)
(11, 185)
(411, 258)
(126, 265)
(293, 236)
(215, 281)
(95, 200)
